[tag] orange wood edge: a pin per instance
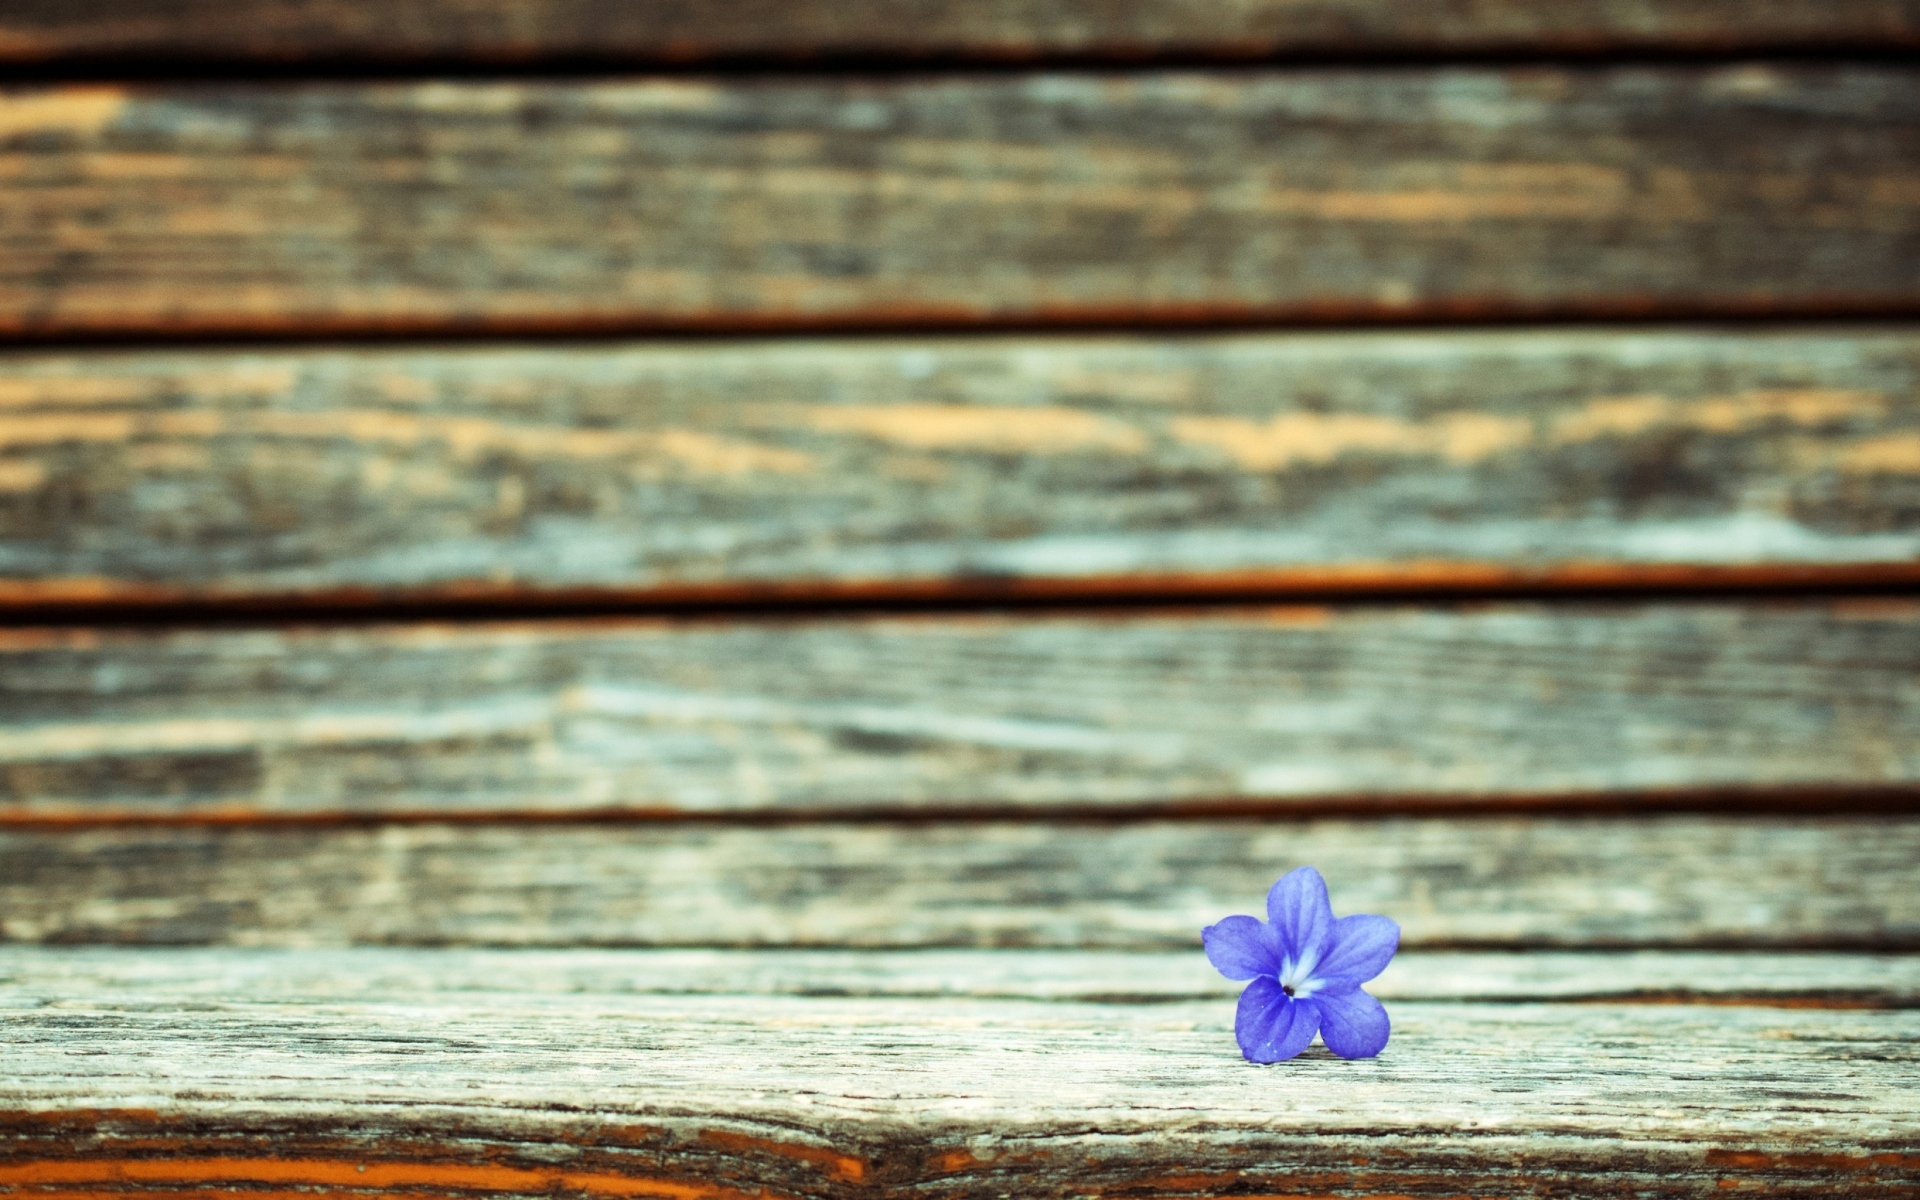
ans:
(81, 597)
(286, 1178)
(961, 317)
(375, 1176)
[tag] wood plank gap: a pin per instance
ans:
(554, 336)
(110, 67)
(71, 603)
(1758, 802)
(25, 332)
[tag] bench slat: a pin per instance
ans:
(1671, 881)
(521, 31)
(959, 467)
(132, 1090)
(1295, 709)
(819, 202)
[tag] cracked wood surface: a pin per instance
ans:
(1569, 882)
(815, 202)
(1294, 708)
(186, 975)
(947, 465)
(518, 32)
(126, 1086)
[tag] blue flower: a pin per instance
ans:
(1307, 969)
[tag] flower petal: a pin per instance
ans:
(1241, 948)
(1271, 1025)
(1358, 948)
(1353, 1025)
(1300, 913)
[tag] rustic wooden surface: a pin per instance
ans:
(1673, 881)
(55, 975)
(809, 202)
(864, 908)
(675, 31)
(126, 1089)
(1296, 706)
(655, 470)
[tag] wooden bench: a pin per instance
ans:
(699, 601)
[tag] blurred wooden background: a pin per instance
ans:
(699, 600)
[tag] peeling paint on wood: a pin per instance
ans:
(31, 975)
(806, 203)
(431, 1094)
(914, 462)
(1293, 706)
(1511, 882)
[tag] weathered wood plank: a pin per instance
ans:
(1539, 882)
(672, 31)
(724, 468)
(31, 975)
(816, 202)
(719, 1096)
(1290, 707)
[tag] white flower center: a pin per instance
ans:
(1296, 976)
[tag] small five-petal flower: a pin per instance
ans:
(1306, 969)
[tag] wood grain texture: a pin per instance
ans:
(876, 465)
(1296, 708)
(677, 31)
(1698, 882)
(711, 1097)
(819, 202)
(188, 975)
